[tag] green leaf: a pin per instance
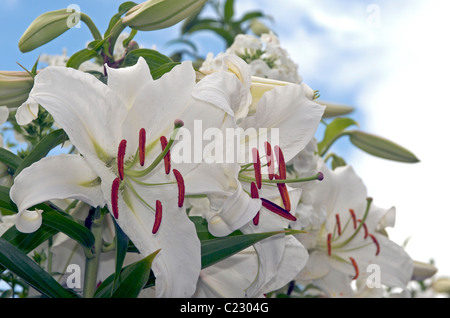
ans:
(122, 242)
(7, 206)
(130, 282)
(10, 159)
(47, 143)
(82, 56)
(153, 58)
(381, 147)
(163, 69)
(334, 130)
(228, 11)
(218, 249)
(250, 16)
(20, 264)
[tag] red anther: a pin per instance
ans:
(163, 140)
(142, 136)
(120, 157)
(256, 219)
(255, 195)
(284, 196)
(115, 197)
(338, 224)
(181, 188)
(158, 217)
(352, 213)
(269, 156)
(269, 205)
(366, 231)
(257, 167)
(281, 162)
(355, 265)
(329, 244)
(375, 241)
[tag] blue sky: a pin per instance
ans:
(390, 63)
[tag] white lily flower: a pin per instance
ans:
(348, 240)
(121, 130)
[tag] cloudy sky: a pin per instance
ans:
(386, 58)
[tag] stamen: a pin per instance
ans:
(163, 141)
(257, 167)
(366, 231)
(329, 244)
(375, 241)
(181, 188)
(277, 210)
(142, 136)
(269, 156)
(120, 157)
(115, 197)
(158, 217)
(281, 162)
(355, 265)
(255, 195)
(352, 213)
(284, 195)
(338, 223)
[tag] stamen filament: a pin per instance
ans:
(277, 210)
(158, 217)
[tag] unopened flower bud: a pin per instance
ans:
(14, 88)
(441, 285)
(45, 28)
(160, 14)
(423, 271)
(258, 28)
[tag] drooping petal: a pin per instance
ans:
(28, 221)
(57, 177)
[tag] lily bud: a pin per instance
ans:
(45, 28)
(423, 271)
(333, 110)
(14, 87)
(258, 28)
(160, 14)
(441, 285)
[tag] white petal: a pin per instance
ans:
(27, 112)
(128, 81)
(89, 111)
(286, 110)
(56, 177)
(28, 221)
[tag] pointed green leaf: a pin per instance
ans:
(20, 264)
(153, 58)
(122, 242)
(82, 56)
(218, 249)
(47, 143)
(130, 282)
(9, 159)
(334, 130)
(381, 147)
(228, 11)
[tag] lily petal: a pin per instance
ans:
(70, 177)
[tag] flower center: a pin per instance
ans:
(280, 179)
(128, 176)
(339, 240)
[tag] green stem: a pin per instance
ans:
(295, 180)
(87, 20)
(91, 267)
